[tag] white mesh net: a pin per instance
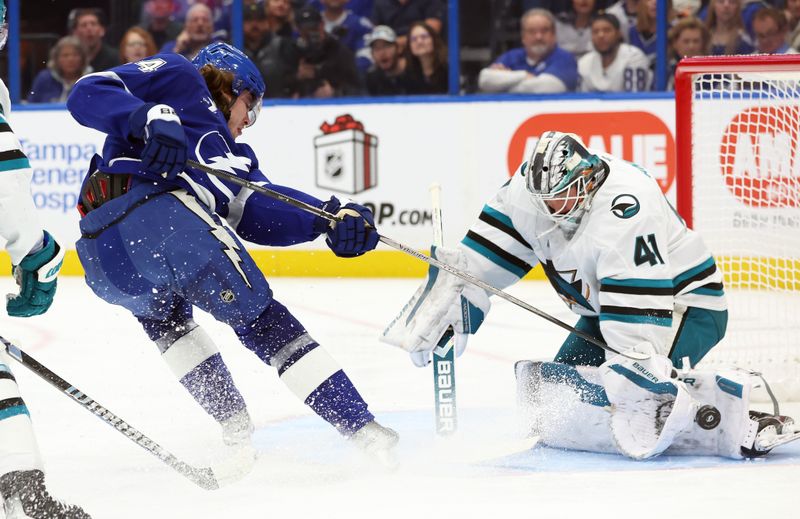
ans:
(746, 204)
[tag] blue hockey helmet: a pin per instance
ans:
(3, 24)
(245, 73)
(562, 175)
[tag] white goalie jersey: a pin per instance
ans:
(631, 261)
(19, 224)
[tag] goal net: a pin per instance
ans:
(738, 134)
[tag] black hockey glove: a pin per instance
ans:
(164, 152)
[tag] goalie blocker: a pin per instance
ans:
(706, 414)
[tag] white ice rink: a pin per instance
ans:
(304, 469)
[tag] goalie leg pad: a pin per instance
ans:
(649, 408)
(279, 340)
(565, 406)
(18, 447)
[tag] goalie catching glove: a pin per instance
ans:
(443, 305)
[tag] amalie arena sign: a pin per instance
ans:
(636, 136)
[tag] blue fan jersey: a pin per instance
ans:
(558, 63)
(105, 100)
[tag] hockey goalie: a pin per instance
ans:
(641, 283)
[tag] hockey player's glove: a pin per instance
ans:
(36, 277)
(355, 234)
(442, 302)
(164, 152)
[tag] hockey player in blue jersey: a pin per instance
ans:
(153, 240)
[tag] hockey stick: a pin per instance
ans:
(205, 477)
(412, 252)
(444, 358)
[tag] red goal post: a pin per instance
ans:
(738, 184)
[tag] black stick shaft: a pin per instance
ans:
(413, 252)
(203, 477)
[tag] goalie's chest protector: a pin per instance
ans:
(612, 240)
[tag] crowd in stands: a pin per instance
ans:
(333, 48)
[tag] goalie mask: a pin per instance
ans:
(562, 176)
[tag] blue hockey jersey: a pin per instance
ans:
(105, 100)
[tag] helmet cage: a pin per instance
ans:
(561, 169)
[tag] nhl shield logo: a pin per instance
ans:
(333, 163)
(227, 296)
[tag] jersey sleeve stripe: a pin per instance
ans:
(498, 220)
(14, 164)
(710, 289)
(700, 272)
(495, 254)
(627, 314)
(637, 289)
(627, 310)
(12, 154)
(637, 319)
(4, 127)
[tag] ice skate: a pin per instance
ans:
(237, 431)
(25, 496)
(773, 431)
(378, 442)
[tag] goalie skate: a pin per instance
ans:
(25, 496)
(773, 431)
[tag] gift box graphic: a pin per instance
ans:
(345, 156)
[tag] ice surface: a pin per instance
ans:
(305, 470)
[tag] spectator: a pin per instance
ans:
(725, 24)
(426, 61)
(88, 26)
(400, 14)
(348, 28)
(159, 22)
(793, 19)
(136, 44)
(574, 27)
(643, 34)
(749, 10)
(326, 68)
(280, 18)
(68, 62)
(613, 65)
(196, 33)
(539, 66)
(688, 37)
(384, 78)
(770, 28)
(220, 14)
(273, 55)
(359, 7)
(625, 11)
